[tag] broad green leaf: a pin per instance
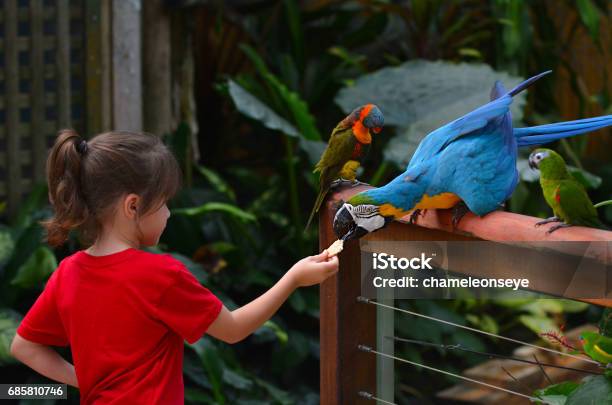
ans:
(36, 269)
(593, 390)
(7, 245)
(588, 180)
(235, 380)
(232, 210)
(217, 181)
(557, 394)
(282, 397)
(589, 14)
(254, 108)
(285, 99)
(420, 96)
(9, 321)
(299, 109)
(538, 324)
(280, 334)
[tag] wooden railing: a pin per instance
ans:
(345, 323)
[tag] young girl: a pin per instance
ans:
(124, 311)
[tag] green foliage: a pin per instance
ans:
(557, 394)
(9, 321)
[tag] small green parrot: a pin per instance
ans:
(347, 147)
(598, 347)
(563, 193)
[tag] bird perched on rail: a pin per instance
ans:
(347, 147)
(566, 196)
(467, 164)
(598, 347)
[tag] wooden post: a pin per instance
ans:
(126, 65)
(157, 103)
(97, 66)
(113, 66)
(345, 370)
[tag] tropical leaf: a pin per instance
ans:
(589, 15)
(420, 96)
(254, 108)
(557, 394)
(36, 269)
(9, 321)
(230, 209)
(593, 390)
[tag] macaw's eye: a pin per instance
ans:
(538, 156)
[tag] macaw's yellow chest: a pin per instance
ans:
(438, 201)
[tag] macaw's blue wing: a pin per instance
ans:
(475, 120)
(475, 155)
(552, 132)
(497, 111)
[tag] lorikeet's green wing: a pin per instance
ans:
(603, 345)
(339, 150)
(575, 204)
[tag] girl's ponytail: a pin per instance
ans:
(65, 180)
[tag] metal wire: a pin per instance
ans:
(370, 350)
(367, 395)
(499, 356)
(369, 301)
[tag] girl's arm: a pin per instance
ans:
(44, 360)
(233, 326)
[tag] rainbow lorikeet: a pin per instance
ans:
(469, 163)
(598, 347)
(566, 196)
(346, 149)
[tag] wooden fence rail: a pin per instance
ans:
(345, 323)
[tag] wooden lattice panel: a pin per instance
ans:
(42, 56)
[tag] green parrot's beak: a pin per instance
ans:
(532, 163)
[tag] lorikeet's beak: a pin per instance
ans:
(376, 129)
(345, 227)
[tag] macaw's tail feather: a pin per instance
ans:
(316, 207)
(548, 133)
(522, 86)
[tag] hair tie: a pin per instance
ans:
(82, 147)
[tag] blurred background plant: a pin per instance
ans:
(272, 79)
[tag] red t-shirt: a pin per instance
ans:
(125, 316)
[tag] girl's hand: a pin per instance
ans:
(314, 269)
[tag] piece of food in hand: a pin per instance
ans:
(335, 248)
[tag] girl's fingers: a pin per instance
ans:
(331, 264)
(321, 256)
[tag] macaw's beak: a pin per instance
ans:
(532, 164)
(345, 227)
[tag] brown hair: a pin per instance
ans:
(87, 178)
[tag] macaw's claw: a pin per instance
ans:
(459, 212)
(356, 183)
(548, 220)
(414, 216)
(558, 226)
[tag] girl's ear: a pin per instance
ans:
(130, 205)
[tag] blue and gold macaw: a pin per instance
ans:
(470, 161)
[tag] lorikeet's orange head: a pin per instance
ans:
(372, 118)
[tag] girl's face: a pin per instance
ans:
(152, 225)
